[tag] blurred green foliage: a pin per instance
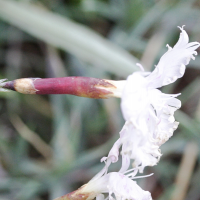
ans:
(76, 132)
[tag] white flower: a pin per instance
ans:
(117, 185)
(148, 112)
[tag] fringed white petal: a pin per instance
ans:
(172, 64)
(164, 131)
(139, 146)
(165, 105)
(124, 188)
(183, 39)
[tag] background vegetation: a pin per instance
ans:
(51, 145)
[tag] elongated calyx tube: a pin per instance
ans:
(78, 86)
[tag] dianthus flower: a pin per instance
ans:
(148, 112)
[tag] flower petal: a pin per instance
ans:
(183, 39)
(172, 64)
(140, 146)
(117, 184)
(125, 188)
(134, 96)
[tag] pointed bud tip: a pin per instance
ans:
(3, 84)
